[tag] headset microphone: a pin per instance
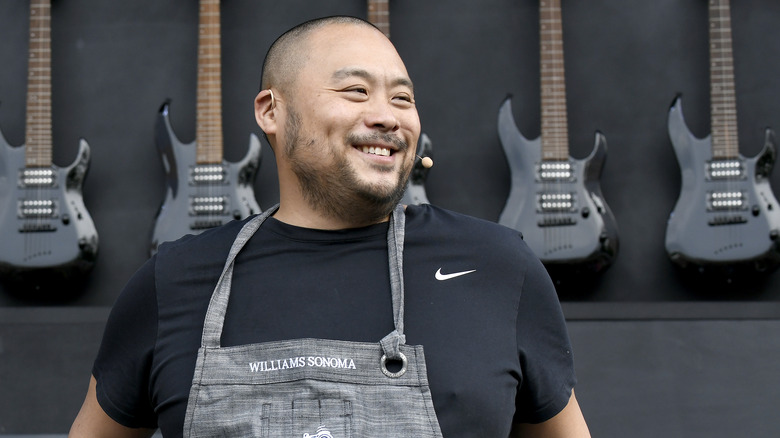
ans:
(427, 162)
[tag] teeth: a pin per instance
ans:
(376, 150)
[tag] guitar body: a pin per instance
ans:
(726, 222)
(199, 197)
(565, 221)
(46, 227)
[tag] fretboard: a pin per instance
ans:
(723, 100)
(38, 131)
(555, 131)
(379, 15)
(208, 134)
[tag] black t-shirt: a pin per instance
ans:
(495, 340)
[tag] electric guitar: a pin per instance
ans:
(202, 189)
(45, 226)
(726, 215)
(556, 200)
(379, 16)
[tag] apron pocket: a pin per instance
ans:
(325, 418)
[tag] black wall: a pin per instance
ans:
(115, 62)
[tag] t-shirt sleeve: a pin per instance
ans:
(544, 349)
(124, 360)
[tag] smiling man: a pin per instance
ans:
(343, 119)
(338, 312)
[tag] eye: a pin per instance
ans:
(355, 93)
(404, 99)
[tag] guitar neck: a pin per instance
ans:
(555, 131)
(379, 15)
(723, 101)
(38, 130)
(208, 132)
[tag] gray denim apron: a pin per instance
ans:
(310, 388)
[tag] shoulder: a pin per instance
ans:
(190, 265)
(431, 215)
(433, 232)
(212, 240)
(198, 251)
(446, 226)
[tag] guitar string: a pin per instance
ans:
(43, 86)
(552, 51)
(725, 114)
(208, 89)
(42, 136)
(33, 243)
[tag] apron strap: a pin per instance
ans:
(395, 249)
(215, 315)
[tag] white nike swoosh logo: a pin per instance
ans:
(441, 277)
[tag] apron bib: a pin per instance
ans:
(310, 388)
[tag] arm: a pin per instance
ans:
(569, 423)
(93, 422)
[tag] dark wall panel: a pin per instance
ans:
(678, 379)
(116, 62)
(643, 379)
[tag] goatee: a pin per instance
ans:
(336, 191)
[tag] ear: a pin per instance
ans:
(265, 114)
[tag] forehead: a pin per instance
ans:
(337, 49)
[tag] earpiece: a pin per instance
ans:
(273, 100)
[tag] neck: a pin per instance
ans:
(296, 208)
(307, 217)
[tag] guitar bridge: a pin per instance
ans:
(561, 221)
(205, 224)
(727, 220)
(37, 228)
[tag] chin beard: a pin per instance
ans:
(338, 194)
(335, 191)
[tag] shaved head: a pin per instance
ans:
(337, 106)
(289, 53)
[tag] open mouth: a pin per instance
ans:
(376, 150)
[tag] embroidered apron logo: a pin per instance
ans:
(321, 433)
(300, 362)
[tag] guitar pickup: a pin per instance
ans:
(36, 209)
(555, 202)
(725, 169)
(555, 171)
(727, 201)
(37, 177)
(208, 174)
(208, 205)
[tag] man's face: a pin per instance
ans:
(352, 126)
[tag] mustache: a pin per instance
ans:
(399, 143)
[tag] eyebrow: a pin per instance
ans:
(362, 73)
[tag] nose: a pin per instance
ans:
(382, 116)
